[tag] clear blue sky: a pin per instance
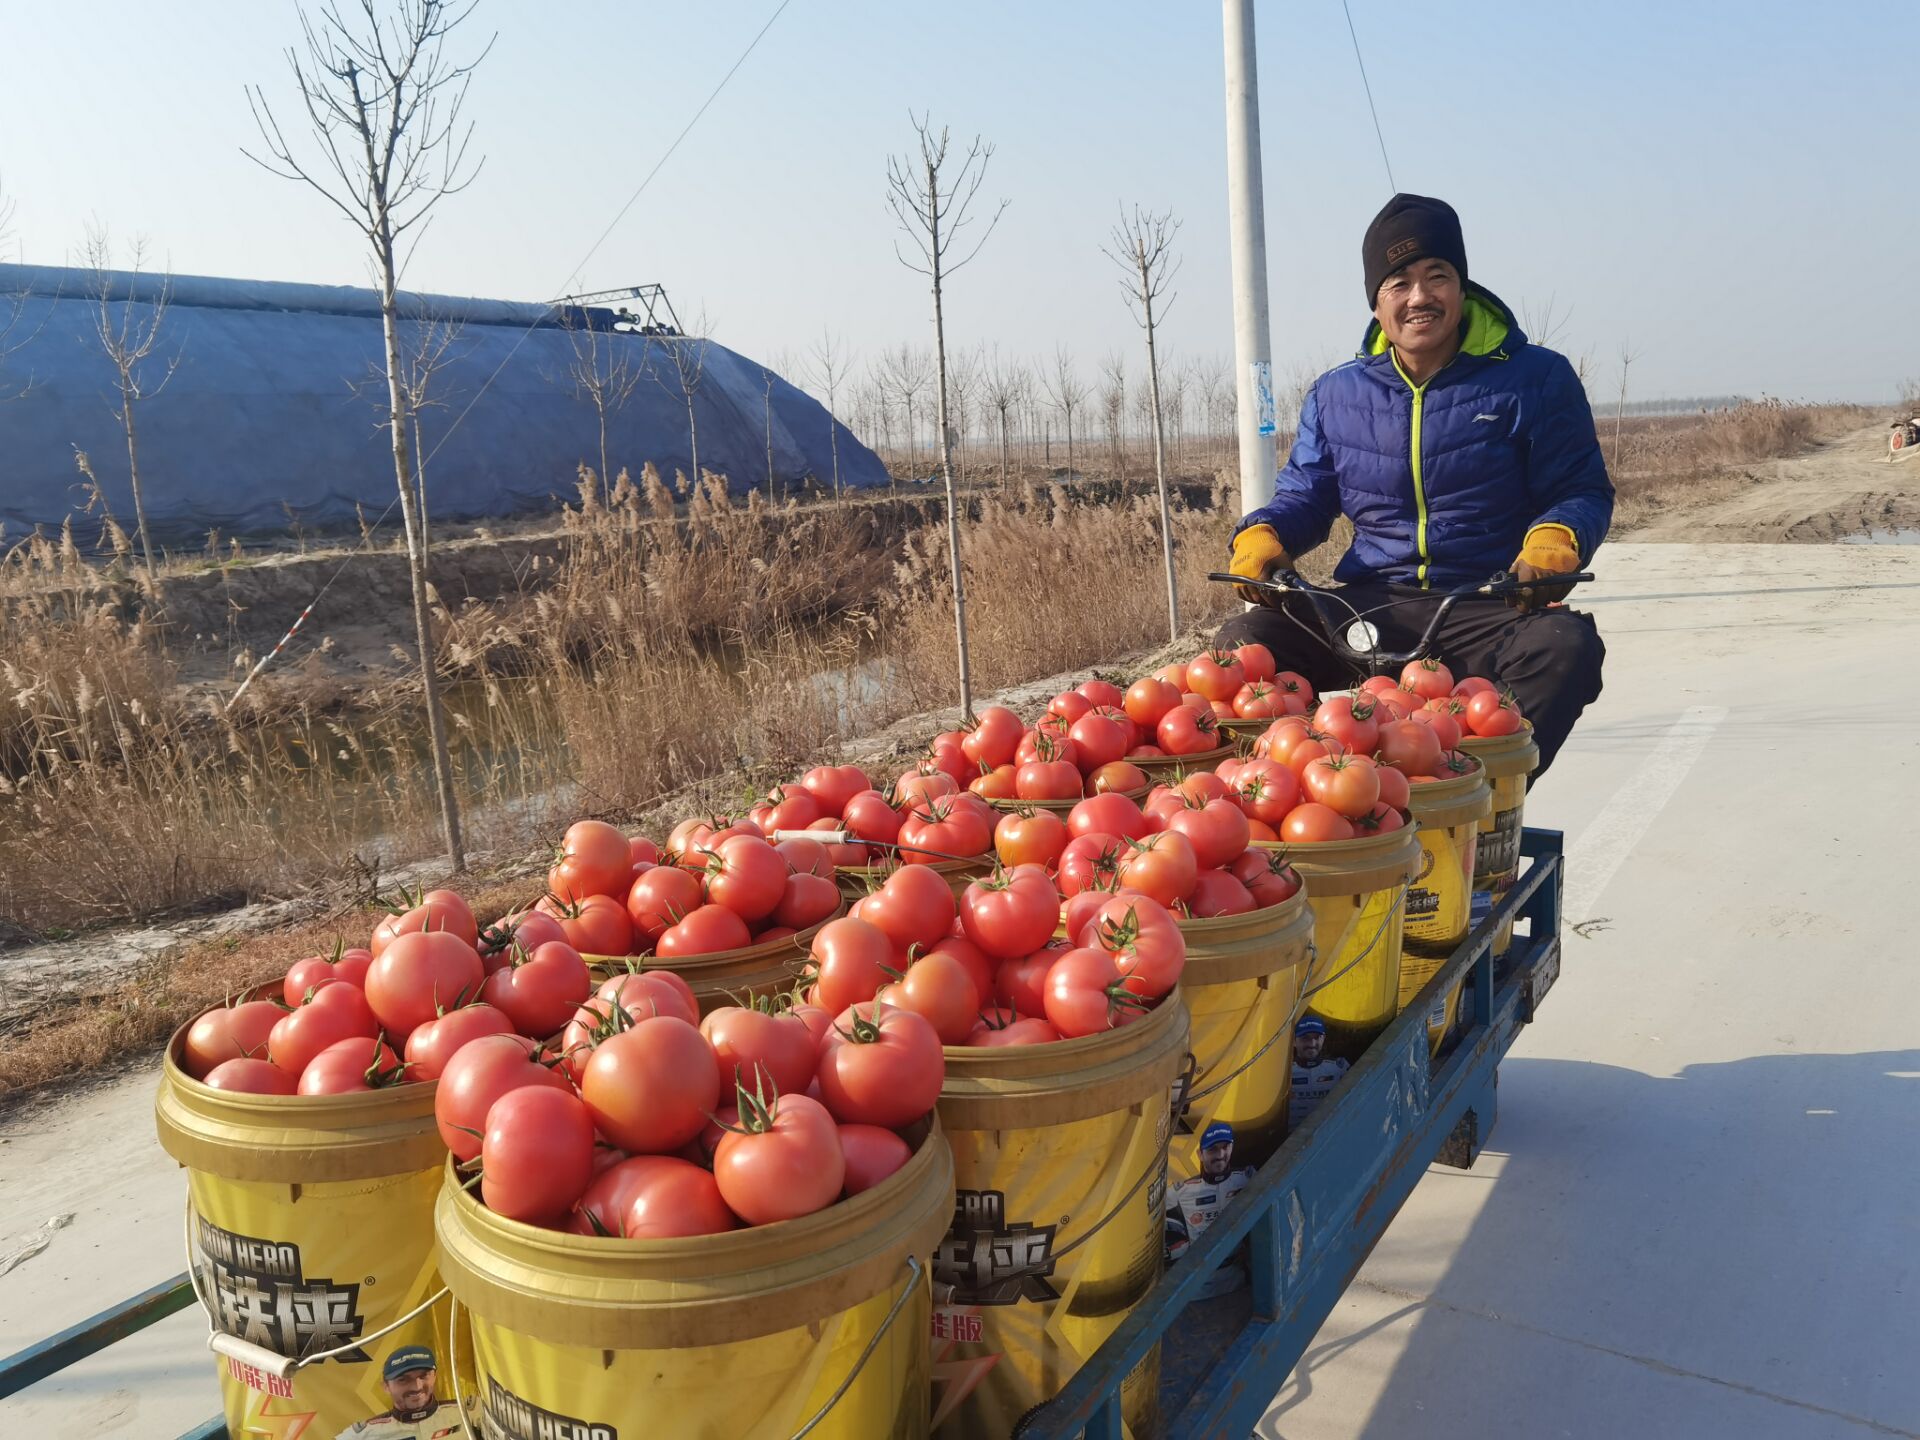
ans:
(1728, 188)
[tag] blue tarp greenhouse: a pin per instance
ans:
(277, 399)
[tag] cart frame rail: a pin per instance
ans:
(1312, 1214)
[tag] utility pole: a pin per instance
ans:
(1247, 225)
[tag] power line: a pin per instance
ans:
(1354, 35)
(612, 225)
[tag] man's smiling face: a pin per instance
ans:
(1419, 308)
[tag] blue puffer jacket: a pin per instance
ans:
(1443, 481)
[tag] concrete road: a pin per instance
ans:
(1698, 1217)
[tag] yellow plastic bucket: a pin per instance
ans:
(1058, 1226)
(1509, 759)
(310, 1227)
(1243, 981)
(1447, 816)
(1357, 890)
(726, 976)
(751, 1335)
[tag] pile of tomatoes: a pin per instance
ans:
(1010, 961)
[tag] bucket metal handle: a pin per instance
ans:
(893, 1313)
(1386, 921)
(272, 1362)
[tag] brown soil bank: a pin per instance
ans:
(1842, 487)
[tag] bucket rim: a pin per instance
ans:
(1504, 755)
(1278, 937)
(1457, 800)
(693, 967)
(1063, 807)
(1199, 760)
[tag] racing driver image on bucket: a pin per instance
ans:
(412, 1378)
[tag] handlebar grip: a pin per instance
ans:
(825, 837)
(269, 1362)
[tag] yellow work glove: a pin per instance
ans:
(1257, 553)
(1548, 550)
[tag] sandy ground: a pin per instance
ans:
(1696, 1218)
(1841, 488)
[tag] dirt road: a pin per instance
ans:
(1841, 488)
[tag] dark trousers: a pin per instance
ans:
(1550, 659)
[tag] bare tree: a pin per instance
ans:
(1113, 405)
(905, 374)
(128, 328)
(963, 381)
(426, 352)
(687, 366)
(1005, 381)
(829, 372)
(1067, 391)
(605, 373)
(932, 210)
(1141, 244)
(13, 306)
(1627, 356)
(387, 143)
(1211, 379)
(1544, 323)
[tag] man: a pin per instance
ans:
(1458, 449)
(1314, 1076)
(412, 1379)
(1198, 1203)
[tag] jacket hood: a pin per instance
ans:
(1490, 326)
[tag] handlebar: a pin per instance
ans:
(1290, 582)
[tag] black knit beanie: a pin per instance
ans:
(1410, 228)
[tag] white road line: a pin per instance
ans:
(1602, 848)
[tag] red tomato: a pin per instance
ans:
(1428, 679)
(1099, 740)
(992, 737)
(596, 859)
(1352, 720)
(1216, 674)
(834, 785)
(1410, 748)
(851, 961)
(433, 1044)
(1297, 690)
(1267, 790)
(980, 966)
(651, 1088)
(914, 907)
(1378, 821)
(1069, 705)
(1313, 822)
(347, 966)
(1010, 915)
(1100, 692)
(1119, 776)
(1316, 746)
(1217, 892)
(872, 1155)
(1268, 878)
(1394, 789)
(999, 783)
(746, 875)
(347, 1066)
(652, 1197)
(946, 757)
(1160, 866)
(1472, 686)
(230, 1033)
(1145, 942)
(1147, 700)
(1030, 837)
(616, 1006)
(914, 788)
(783, 1162)
(1187, 731)
(805, 856)
(529, 929)
(1257, 662)
(1085, 994)
(540, 992)
(709, 930)
(1020, 1030)
(1202, 786)
(1021, 984)
(660, 899)
(1047, 780)
(930, 835)
(597, 925)
(870, 819)
(791, 807)
(479, 1073)
(806, 900)
(1345, 784)
(1257, 700)
(1089, 861)
(537, 1155)
(880, 1065)
(336, 1012)
(1108, 814)
(751, 1040)
(1490, 713)
(941, 990)
(244, 1075)
(1445, 726)
(1217, 831)
(437, 910)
